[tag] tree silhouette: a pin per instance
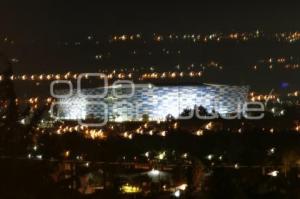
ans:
(8, 110)
(14, 137)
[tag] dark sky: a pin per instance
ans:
(54, 18)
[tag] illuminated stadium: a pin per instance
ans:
(122, 103)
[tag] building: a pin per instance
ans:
(123, 103)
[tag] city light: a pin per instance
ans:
(154, 172)
(273, 173)
(177, 193)
(129, 189)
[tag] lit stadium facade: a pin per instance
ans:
(122, 103)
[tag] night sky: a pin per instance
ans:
(53, 19)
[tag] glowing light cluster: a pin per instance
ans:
(86, 131)
(278, 63)
(254, 97)
(130, 189)
(171, 75)
(193, 37)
